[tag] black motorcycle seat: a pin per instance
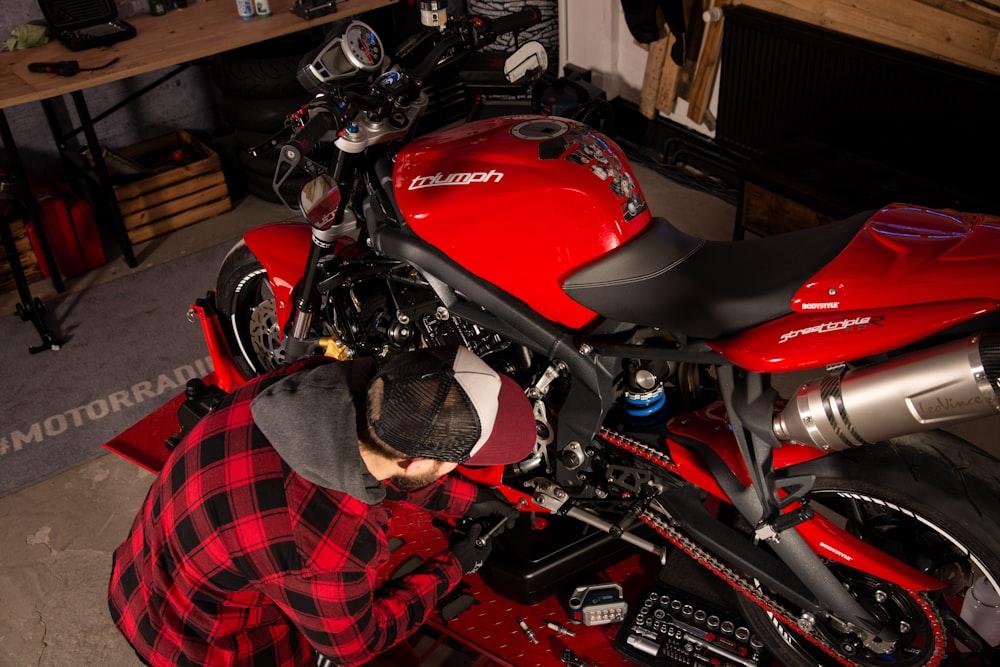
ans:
(665, 278)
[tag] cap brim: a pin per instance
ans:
(514, 431)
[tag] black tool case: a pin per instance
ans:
(529, 565)
(85, 24)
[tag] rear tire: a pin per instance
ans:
(930, 498)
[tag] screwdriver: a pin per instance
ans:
(65, 67)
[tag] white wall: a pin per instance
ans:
(594, 35)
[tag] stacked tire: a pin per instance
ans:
(257, 87)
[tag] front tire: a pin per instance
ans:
(249, 316)
(930, 499)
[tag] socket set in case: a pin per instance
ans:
(669, 627)
(597, 605)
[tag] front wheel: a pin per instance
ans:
(929, 499)
(246, 305)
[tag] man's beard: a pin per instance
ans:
(408, 483)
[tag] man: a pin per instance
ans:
(260, 540)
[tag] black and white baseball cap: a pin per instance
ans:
(446, 403)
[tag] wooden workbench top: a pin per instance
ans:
(205, 28)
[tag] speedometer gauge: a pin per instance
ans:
(362, 46)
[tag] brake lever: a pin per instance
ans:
(279, 137)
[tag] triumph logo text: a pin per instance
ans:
(460, 178)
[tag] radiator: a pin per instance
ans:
(781, 79)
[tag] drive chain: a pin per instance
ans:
(734, 578)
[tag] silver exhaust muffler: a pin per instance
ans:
(924, 390)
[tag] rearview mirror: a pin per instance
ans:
(319, 201)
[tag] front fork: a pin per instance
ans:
(300, 341)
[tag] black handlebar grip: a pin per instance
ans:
(525, 18)
(311, 133)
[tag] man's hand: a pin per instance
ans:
(469, 553)
(489, 502)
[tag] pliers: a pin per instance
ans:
(572, 660)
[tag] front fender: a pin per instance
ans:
(283, 249)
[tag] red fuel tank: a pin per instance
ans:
(522, 201)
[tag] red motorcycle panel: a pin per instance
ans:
(710, 427)
(521, 201)
(909, 273)
(800, 341)
(909, 255)
(282, 248)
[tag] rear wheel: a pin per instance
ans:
(928, 499)
(246, 304)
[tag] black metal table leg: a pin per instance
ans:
(104, 177)
(29, 308)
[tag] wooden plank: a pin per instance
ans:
(655, 60)
(666, 96)
(184, 219)
(700, 92)
(21, 241)
(985, 12)
(911, 25)
(157, 144)
(175, 191)
(175, 206)
(169, 177)
(25, 253)
(143, 151)
(31, 274)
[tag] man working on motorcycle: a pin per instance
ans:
(260, 540)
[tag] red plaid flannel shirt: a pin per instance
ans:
(234, 559)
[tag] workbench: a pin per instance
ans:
(174, 40)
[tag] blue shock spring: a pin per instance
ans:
(645, 404)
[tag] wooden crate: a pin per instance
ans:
(175, 197)
(29, 261)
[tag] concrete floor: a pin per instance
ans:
(56, 537)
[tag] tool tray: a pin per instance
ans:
(85, 24)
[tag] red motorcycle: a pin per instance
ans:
(851, 526)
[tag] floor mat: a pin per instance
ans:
(128, 347)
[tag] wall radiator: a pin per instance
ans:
(781, 79)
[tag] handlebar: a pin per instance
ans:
(474, 33)
(463, 34)
(308, 136)
(525, 18)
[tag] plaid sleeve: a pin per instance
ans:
(451, 495)
(346, 616)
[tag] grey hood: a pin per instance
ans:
(310, 418)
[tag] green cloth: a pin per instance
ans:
(26, 36)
